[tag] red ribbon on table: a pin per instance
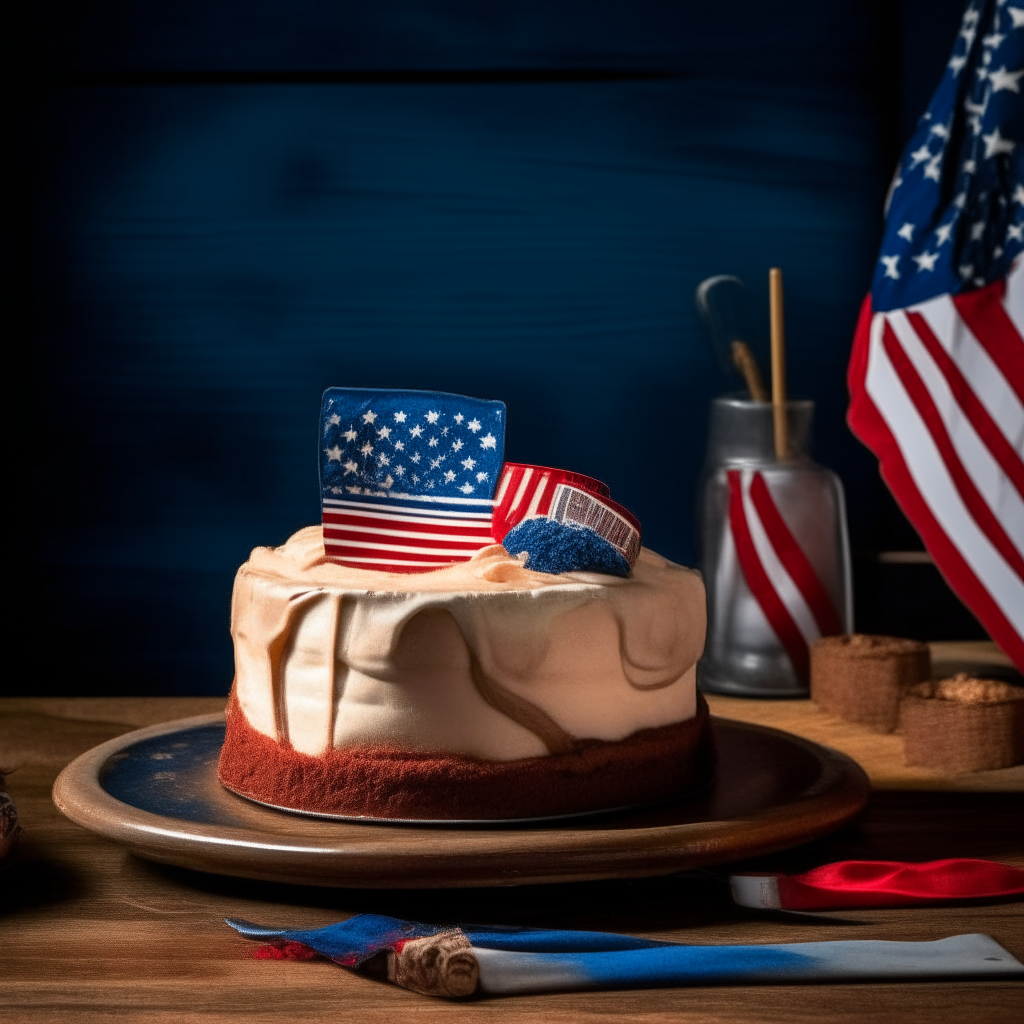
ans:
(879, 883)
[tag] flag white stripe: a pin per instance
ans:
(441, 514)
(537, 495)
(332, 529)
(521, 491)
(1013, 300)
(428, 498)
(468, 526)
(929, 474)
(996, 489)
(976, 365)
(411, 549)
(785, 588)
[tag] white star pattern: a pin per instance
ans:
(996, 144)
(995, 40)
(378, 440)
(925, 260)
(1003, 79)
(956, 65)
(907, 231)
(890, 263)
(931, 169)
(1017, 16)
(1015, 232)
(977, 230)
(942, 233)
(920, 155)
(1018, 194)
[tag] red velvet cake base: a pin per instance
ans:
(650, 766)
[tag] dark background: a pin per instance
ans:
(215, 209)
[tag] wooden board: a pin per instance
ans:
(92, 933)
(771, 790)
(881, 754)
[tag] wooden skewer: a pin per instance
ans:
(744, 361)
(778, 363)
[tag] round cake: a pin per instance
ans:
(478, 691)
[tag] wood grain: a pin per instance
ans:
(92, 933)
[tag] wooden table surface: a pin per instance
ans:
(91, 933)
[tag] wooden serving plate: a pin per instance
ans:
(156, 792)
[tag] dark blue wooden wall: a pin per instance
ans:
(231, 206)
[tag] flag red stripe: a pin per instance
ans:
(793, 559)
(969, 493)
(867, 423)
(346, 554)
(985, 427)
(761, 587)
(369, 540)
(985, 315)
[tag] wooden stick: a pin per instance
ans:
(778, 363)
(744, 361)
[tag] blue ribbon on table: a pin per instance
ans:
(457, 962)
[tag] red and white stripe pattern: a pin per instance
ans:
(937, 392)
(525, 491)
(778, 572)
(414, 534)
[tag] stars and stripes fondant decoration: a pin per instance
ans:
(408, 477)
(937, 370)
(412, 481)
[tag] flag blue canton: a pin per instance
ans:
(379, 443)
(955, 213)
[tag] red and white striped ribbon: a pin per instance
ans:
(777, 570)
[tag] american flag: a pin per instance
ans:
(407, 477)
(937, 371)
(526, 492)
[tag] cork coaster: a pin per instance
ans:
(862, 678)
(963, 724)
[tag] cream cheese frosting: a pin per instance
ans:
(483, 658)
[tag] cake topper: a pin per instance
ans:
(408, 481)
(407, 477)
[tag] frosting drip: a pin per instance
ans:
(483, 658)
